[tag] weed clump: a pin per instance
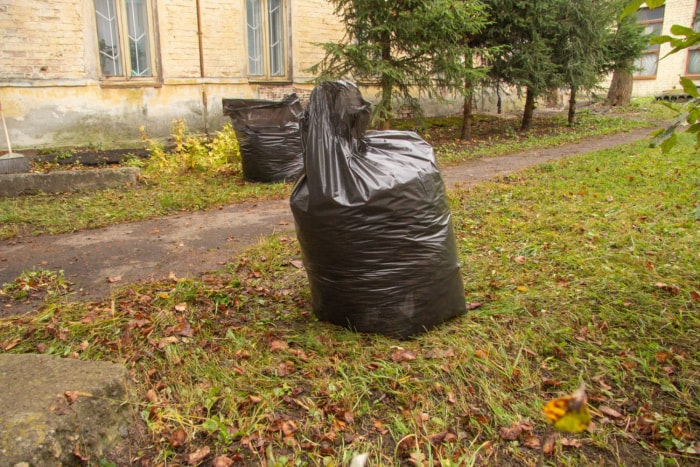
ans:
(192, 153)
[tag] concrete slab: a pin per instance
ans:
(56, 411)
(66, 180)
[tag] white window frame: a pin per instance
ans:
(695, 50)
(258, 40)
(652, 51)
(127, 74)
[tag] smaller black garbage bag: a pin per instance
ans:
(268, 137)
(373, 222)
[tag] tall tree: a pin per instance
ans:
(401, 46)
(624, 45)
(526, 29)
(581, 36)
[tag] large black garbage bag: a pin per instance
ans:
(268, 137)
(373, 222)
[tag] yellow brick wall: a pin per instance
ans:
(671, 67)
(312, 21)
(42, 40)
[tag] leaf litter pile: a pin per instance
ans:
(580, 271)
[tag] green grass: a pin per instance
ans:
(193, 184)
(583, 270)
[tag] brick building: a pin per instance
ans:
(80, 72)
(657, 72)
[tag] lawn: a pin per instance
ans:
(585, 270)
(174, 182)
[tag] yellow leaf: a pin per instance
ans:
(569, 413)
(522, 288)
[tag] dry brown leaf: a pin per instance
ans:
(548, 444)
(152, 396)
(610, 412)
(72, 396)
(402, 355)
(513, 432)
(532, 442)
(178, 438)
(571, 443)
(181, 307)
(278, 345)
(297, 263)
(673, 289)
(473, 305)
(198, 456)
(114, 279)
(520, 259)
(222, 461)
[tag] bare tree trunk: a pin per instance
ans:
(620, 92)
(528, 111)
(572, 106)
(387, 88)
(467, 113)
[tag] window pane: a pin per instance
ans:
(645, 14)
(652, 30)
(255, 48)
(646, 65)
(694, 62)
(139, 50)
(276, 38)
(108, 38)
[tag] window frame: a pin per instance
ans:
(266, 76)
(652, 49)
(695, 24)
(127, 78)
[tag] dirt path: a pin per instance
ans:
(190, 244)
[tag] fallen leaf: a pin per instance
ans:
(402, 355)
(198, 456)
(379, 426)
(278, 345)
(522, 288)
(12, 343)
(520, 259)
(532, 442)
(473, 305)
(443, 437)
(297, 263)
(114, 279)
(152, 396)
(673, 289)
(284, 223)
(178, 438)
(695, 295)
(181, 307)
(72, 396)
(548, 444)
(165, 341)
(571, 443)
(285, 368)
(222, 461)
(288, 428)
(76, 453)
(513, 432)
(610, 412)
(482, 354)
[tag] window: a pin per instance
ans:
(125, 38)
(266, 38)
(694, 52)
(653, 21)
